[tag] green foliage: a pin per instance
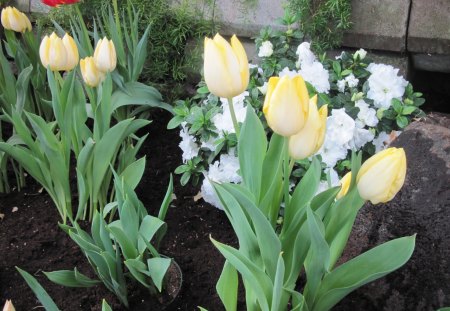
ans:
(170, 29)
(322, 21)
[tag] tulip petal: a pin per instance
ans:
(239, 51)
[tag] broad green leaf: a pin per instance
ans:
(278, 290)
(138, 269)
(39, 291)
(105, 306)
(157, 267)
(128, 250)
(258, 281)
(227, 287)
(167, 199)
(23, 81)
(252, 148)
(363, 269)
(150, 226)
(70, 278)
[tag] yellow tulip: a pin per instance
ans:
(9, 306)
(225, 67)
(286, 105)
(53, 53)
(382, 175)
(105, 55)
(15, 20)
(309, 140)
(71, 51)
(91, 75)
(345, 184)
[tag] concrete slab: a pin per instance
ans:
(36, 6)
(431, 62)
(21, 5)
(379, 24)
(429, 27)
(245, 20)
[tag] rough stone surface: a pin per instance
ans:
(422, 207)
(429, 27)
(22, 5)
(432, 62)
(378, 24)
(38, 7)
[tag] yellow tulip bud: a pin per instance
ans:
(9, 306)
(105, 55)
(91, 75)
(345, 184)
(225, 67)
(15, 20)
(309, 140)
(72, 52)
(382, 175)
(53, 53)
(286, 105)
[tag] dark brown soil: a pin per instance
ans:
(30, 239)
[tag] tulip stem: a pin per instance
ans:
(288, 165)
(233, 117)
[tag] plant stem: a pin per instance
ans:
(233, 117)
(288, 165)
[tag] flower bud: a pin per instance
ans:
(309, 140)
(361, 54)
(9, 306)
(72, 52)
(91, 75)
(225, 67)
(345, 185)
(105, 55)
(286, 105)
(382, 175)
(13, 19)
(53, 53)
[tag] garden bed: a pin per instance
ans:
(30, 239)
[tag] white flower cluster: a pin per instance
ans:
(385, 85)
(350, 80)
(188, 145)
(224, 170)
(266, 49)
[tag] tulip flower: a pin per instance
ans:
(59, 2)
(105, 55)
(13, 19)
(91, 75)
(345, 185)
(72, 52)
(382, 175)
(286, 105)
(309, 140)
(9, 306)
(53, 53)
(225, 67)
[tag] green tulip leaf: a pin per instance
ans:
(227, 287)
(70, 278)
(157, 268)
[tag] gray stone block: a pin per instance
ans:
(378, 24)
(36, 6)
(21, 5)
(429, 27)
(431, 62)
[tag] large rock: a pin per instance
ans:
(379, 24)
(422, 207)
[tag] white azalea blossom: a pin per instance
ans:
(305, 55)
(384, 139)
(351, 80)
(266, 49)
(385, 84)
(263, 88)
(287, 72)
(361, 136)
(187, 145)
(223, 121)
(366, 114)
(341, 85)
(223, 171)
(316, 75)
(361, 53)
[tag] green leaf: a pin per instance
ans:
(175, 122)
(70, 278)
(337, 68)
(252, 148)
(157, 267)
(105, 306)
(363, 269)
(278, 291)
(227, 287)
(407, 110)
(128, 250)
(167, 199)
(39, 291)
(133, 173)
(402, 121)
(397, 105)
(151, 227)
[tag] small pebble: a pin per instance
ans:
(15, 209)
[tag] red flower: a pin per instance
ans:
(59, 2)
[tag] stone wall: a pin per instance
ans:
(413, 29)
